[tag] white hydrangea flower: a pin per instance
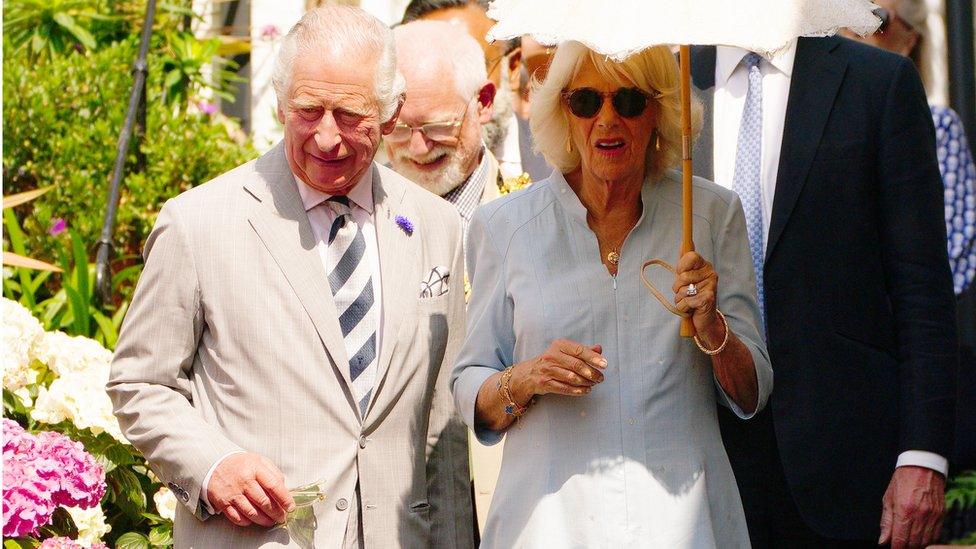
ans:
(90, 523)
(165, 503)
(65, 354)
(78, 393)
(20, 331)
(81, 399)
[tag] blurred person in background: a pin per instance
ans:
(904, 31)
(501, 60)
(831, 147)
(437, 141)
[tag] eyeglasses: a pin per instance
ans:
(435, 131)
(628, 102)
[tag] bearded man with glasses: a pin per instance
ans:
(437, 139)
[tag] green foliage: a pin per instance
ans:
(45, 29)
(961, 492)
(61, 126)
(66, 301)
(961, 496)
(183, 66)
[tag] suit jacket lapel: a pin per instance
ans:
(817, 76)
(400, 264)
(282, 224)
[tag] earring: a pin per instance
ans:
(569, 144)
(657, 141)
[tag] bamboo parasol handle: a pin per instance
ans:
(687, 243)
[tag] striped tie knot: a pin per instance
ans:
(752, 59)
(342, 208)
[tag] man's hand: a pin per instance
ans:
(913, 508)
(248, 489)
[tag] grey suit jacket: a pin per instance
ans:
(232, 342)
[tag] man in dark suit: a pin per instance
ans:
(831, 147)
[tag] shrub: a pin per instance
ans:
(61, 123)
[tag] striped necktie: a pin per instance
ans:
(352, 289)
(748, 171)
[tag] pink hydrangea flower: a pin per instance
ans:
(42, 472)
(67, 543)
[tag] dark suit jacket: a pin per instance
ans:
(859, 300)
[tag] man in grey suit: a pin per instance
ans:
(293, 318)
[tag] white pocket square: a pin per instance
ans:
(436, 282)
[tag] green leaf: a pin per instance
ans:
(130, 496)
(172, 78)
(80, 257)
(132, 540)
(79, 312)
(106, 329)
(154, 518)
(80, 34)
(161, 536)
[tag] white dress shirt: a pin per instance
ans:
(731, 85)
(320, 216)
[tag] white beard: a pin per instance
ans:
(440, 181)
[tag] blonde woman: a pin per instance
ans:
(612, 437)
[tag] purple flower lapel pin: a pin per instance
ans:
(405, 224)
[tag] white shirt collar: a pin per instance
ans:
(361, 194)
(727, 59)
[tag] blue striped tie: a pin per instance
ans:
(352, 289)
(748, 170)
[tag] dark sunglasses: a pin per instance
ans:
(587, 102)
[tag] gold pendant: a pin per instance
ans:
(613, 258)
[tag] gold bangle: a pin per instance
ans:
(512, 408)
(724, 341)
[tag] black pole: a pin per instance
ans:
(962, 80)
(103, 274)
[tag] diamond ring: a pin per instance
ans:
(692, 290)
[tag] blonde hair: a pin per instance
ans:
(653, 70)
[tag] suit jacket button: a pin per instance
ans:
(342, 504)
(362, 441)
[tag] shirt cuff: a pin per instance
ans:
(921, 458)
(466, 388)
(206, 481)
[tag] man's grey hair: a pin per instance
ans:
(340, 29)
(440, 42)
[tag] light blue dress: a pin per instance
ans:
(638, 462)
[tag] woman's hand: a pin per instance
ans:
(693, 269)
(565, 368)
